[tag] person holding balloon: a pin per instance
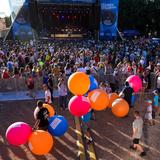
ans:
(127, 93)
(41, 115)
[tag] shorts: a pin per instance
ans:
(135, 141)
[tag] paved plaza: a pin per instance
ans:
(112, 136)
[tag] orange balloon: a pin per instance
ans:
(120, 107)
(40, 142)
(99, 99)
(78, 83)
(112, 98)
(50, 109)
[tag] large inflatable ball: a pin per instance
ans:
(99, 99)
(79, 105)
(18, 133)
(93, 83)
(40, 142)
(120, 107)
(78, 83)
(135, 82)
(112, 98)
(50, 110)
(58, 125)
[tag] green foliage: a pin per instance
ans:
(143, 15)
(8, 21)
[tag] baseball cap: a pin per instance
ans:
(149, 101)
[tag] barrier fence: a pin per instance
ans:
(19, 84)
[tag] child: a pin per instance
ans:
(148, 114)
(155, 101)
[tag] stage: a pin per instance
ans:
(65, 20)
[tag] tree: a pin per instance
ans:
(137, 14)
(8, 21)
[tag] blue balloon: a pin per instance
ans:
(93, 83)
(86, 118)
(58, 125)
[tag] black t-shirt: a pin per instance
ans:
(128, 93)
(42, 115)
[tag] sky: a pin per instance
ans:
(4, 7)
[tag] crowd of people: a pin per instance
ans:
(61, 58)
(110, 62)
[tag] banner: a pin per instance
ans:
(108, 19)
(21, 27)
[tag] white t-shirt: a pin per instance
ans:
(67, 71)
(148, 114)
(48, 94)
(35, 112)
(62, 90)
(81, 70)
(158, 82)
(138, 125)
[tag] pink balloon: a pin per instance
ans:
(135, 82)
(18, 133)
(79, 105)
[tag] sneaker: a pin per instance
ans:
(143, 154)
(131, 147)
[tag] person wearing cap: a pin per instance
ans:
(41, 116)
(155, 102)
(148, 113)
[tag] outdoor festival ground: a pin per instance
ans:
(112, 136)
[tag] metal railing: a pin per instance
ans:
(19, 84)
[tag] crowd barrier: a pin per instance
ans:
(19, 84)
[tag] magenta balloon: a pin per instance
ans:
(18, 133)
(79, 105)
(135, 82)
